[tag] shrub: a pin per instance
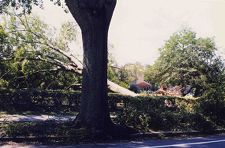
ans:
(141, 113)
(39, 101)
(212, 105)
(145, 113)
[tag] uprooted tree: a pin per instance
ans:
(93, 17)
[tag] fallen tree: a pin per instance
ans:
(76, 66)
(45, 48)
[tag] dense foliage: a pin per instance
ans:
(186, 60)
(39, 101)
(141, 113)
(32, 56)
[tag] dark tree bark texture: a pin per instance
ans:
(93, 17)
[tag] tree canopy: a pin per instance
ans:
(185, 60)
(25, 6)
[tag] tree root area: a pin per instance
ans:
(109, 132)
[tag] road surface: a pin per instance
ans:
(197, 142)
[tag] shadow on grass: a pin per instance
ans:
(61, 133)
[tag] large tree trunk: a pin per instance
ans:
(93, 17)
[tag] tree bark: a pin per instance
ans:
(93, 17)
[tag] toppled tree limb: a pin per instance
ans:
(123, 91)
(111, 85)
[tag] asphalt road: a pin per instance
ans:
(197, 142)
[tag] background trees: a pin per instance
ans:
(125, 74)
(185, 60)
